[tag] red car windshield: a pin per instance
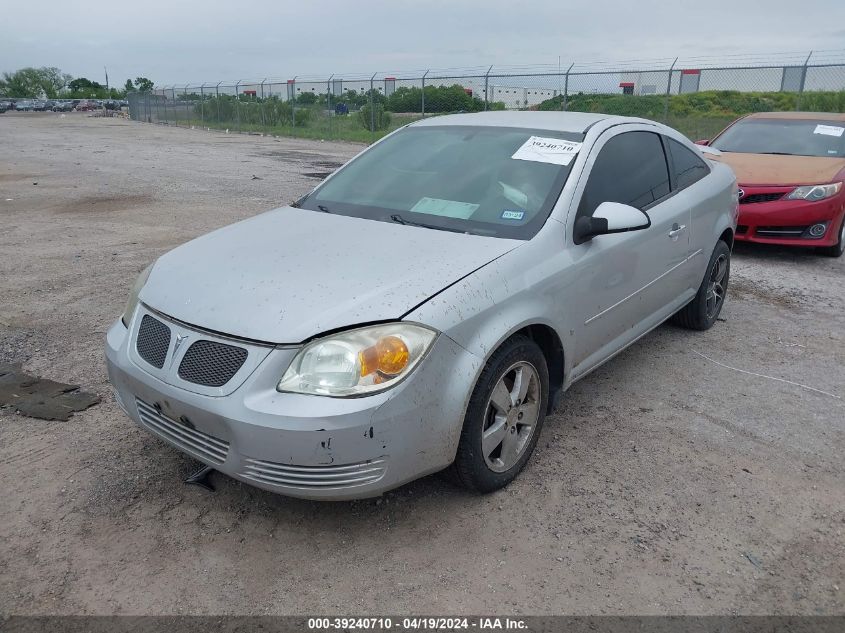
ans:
(794, 137)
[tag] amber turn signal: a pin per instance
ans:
(389, 356)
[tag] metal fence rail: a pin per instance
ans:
(698, 96)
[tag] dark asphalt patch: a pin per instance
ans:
(41, 398)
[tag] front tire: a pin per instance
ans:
(505, 415)
(701, 313)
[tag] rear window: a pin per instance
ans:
(687, 168)
(791, 137)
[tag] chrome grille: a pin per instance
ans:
(182, 436)
(781, 231)
(343, 476)
(211, 364)
(153, 341)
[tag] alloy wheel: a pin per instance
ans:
(716, 286)
(511, 416)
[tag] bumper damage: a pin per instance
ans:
(304, 446)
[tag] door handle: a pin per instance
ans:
(677, 229)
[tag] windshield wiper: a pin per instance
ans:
(324, 208)
(780, 153)
(400, 220)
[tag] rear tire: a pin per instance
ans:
(504, 417)
(701, 313)
(837, 249)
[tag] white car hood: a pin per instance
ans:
(289, 274)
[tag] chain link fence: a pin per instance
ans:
(697, 96)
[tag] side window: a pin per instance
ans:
(631, 169)
(687, 168)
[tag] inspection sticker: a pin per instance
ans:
(512, 214)
(547, 150)
(829, 130)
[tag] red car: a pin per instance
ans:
(790, 167)
(84, 106)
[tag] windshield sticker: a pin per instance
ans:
(512, 214)
(547, 150)
(829, 130)
(446, 208)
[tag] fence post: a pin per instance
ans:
(187, 105)
(293, 105)
(217, 99)
(803, 79)
(423, 93)
(372, 107)
(261, 105)
(329, 105)
(238, 104)
(202, 104)
(566, 87)
(175, 116)
(668, 91)
(486, 86)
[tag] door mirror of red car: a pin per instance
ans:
(702, 141)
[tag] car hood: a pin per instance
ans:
(768, 169)
(289, 274)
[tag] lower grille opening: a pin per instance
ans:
(315, 477)
(781, 231)
(187, 439)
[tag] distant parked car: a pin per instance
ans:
(25, 105)
(85, 106)
(111, 104)
(62, 106)
(48, 105)
(790, 167)
(38, 105)
(3, 107)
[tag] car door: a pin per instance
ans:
(687, 170)
(626, 283)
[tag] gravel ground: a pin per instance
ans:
(664, 483)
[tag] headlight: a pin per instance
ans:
(358, 362)
(814, 192)
(133, 296)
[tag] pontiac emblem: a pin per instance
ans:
(180, 338)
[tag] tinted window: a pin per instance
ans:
(631, 169)
(687, 168)
(799, 137)
(456, 178)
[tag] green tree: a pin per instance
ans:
(144, 85)
(128, 87)
(34, 82)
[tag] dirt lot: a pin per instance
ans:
(664, 483)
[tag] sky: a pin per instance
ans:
(181, 41)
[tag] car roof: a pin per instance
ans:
(529, 119)
(827, 116)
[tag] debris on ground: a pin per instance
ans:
(41, 398)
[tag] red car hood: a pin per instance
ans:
(774, 170)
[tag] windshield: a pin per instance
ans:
(456, 178)
(798, 137)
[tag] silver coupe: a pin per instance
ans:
(426, 305)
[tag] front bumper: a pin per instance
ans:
(304, 446)
(787, 222)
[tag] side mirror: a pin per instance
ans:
(610, 217)
(702, 141)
